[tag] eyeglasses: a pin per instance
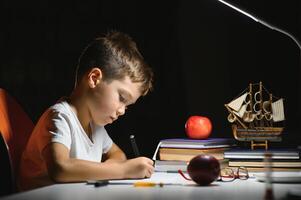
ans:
(229, 174)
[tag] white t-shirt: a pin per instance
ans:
(59, 124)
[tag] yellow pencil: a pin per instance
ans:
(145, 184)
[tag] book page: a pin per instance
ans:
(158, 178)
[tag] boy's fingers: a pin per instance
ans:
(150, 166)
(151, 162)
(148, 174)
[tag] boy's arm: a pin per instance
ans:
(62, 168)
(115, 154)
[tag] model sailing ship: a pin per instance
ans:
(256, 116)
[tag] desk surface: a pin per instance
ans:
(238, 189)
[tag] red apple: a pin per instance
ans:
(198, 127)
(203, 169)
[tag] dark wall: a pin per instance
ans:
(202, 52)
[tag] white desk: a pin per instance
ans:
(184, 190)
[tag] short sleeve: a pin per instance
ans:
(107, 141)
(62, 132)
(55, 128)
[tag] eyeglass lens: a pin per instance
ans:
(243, 173)
(228, 174)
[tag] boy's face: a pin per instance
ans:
(108, 101)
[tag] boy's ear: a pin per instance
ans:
(94, 77)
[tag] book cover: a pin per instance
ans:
(195, 144)
(259, 153)
(209, 141)
(263, 164)
(273, 169)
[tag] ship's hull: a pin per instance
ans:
(272, 134)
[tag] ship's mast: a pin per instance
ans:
(260, 104)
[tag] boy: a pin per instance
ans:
(70, 141)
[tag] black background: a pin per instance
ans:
(202, 52)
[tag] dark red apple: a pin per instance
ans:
(198, 127)
(203, 169)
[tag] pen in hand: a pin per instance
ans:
(134, 146)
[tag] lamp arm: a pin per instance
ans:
(281, 31)
(262, 22)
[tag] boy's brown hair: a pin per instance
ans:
(117, 55)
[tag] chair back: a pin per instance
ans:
(6, 181)
(15, 129)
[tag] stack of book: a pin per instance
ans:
(174, 154)
(253, 160)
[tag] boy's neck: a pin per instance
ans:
(79, 106)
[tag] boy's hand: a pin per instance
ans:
(140, 167)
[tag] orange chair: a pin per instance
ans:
(15, 129)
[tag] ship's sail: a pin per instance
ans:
(278, 111)
(241, 111)
(253, 108)
(237, 103)
(239, 108)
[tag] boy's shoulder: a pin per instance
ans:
(60, 106)
(58, 113)
(60, 109)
